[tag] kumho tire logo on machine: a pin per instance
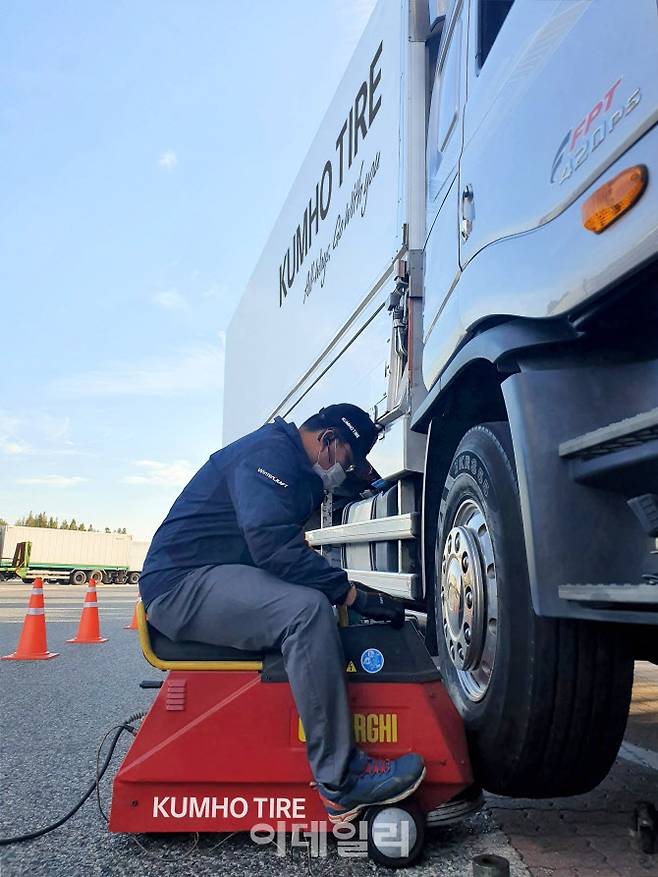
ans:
(352, 838)
(211, 807)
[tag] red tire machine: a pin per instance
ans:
(222, 748)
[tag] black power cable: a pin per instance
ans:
(124, 726)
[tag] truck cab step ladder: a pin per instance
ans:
(622, 456)
(643, 593)
(375, 530)
(618, 436)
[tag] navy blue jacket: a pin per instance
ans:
(248, 504)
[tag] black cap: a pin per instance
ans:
(355, 425)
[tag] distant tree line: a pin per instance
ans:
(51, 523)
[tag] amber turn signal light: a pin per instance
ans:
(614, 198)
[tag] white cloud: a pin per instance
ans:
(50, 434)
(9, 446)
(53, 480)
(190, 371)
(168, 161)
(175, 474)
(171, 300)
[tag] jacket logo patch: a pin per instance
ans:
(271, 477)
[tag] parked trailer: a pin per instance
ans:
(443, 261)
(73, 556)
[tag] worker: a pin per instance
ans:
(230, 566)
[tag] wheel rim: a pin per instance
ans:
(469, 598)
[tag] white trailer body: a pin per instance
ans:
(327, 270)
(136, 554)
(60, 554)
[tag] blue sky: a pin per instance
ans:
(146, 149)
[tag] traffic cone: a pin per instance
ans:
(133, 623)
(32, 645)
(89, 627)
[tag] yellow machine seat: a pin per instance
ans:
(167, 654)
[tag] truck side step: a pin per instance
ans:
(399, 584)
(616, 436)
(375, 530)
(641, 594)
(621, 456)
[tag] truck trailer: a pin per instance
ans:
(70, 556)
(469, 252)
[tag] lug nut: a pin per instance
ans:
(465, 563)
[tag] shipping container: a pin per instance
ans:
(72, 555)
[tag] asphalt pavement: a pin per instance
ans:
(55, 713)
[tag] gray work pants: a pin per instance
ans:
(248, 608)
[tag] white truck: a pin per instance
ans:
(71, 556)
(469, 251)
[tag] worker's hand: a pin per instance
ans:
(378, 607)
(350, 597)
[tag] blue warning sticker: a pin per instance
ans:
(372, 660)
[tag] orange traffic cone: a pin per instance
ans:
(89, 627)
(32, 644)
(133, 623)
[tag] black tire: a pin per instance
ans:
(415, 849)
(133, 578)
(97, 575)
(78, 577)
(545, 704)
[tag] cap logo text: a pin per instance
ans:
(349, 425)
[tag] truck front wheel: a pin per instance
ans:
(544, 700)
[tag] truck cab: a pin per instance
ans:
(498, 317)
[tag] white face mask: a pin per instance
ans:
(332, 477)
